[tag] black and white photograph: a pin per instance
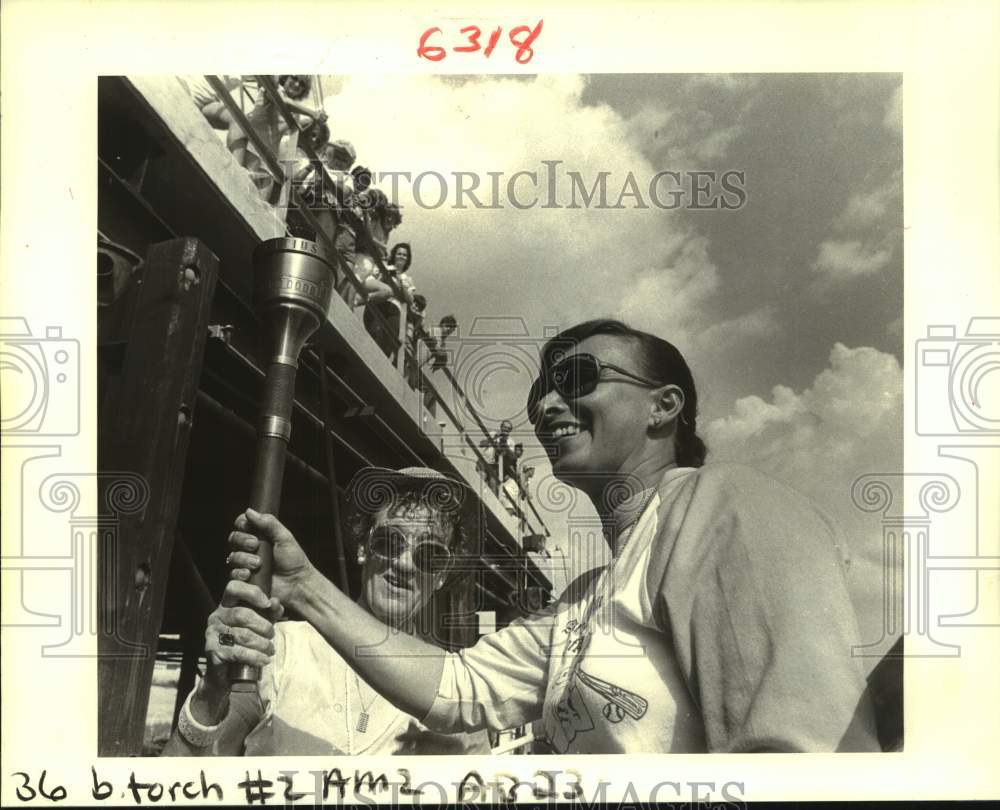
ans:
(476, 399)
(632, 323)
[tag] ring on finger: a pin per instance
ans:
(227, 639)
(229, 558)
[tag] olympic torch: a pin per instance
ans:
(293, 285)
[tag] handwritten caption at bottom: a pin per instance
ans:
(337, 786)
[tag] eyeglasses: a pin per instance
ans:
(429, 556)
(575, 376)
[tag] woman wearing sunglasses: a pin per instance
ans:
(412, 528)
(722, 623)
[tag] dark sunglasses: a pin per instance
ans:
(429, 556)
(575, 376)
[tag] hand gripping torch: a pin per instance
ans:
(293, 286)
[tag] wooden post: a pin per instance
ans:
(146, 432)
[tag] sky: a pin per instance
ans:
(787, 308)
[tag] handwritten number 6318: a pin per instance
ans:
(520, 37)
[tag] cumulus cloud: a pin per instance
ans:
(674, 293)
(755, 325)
(699, 124)
(864, 235)
(852, 411)
(735, 83)
(872, 206)
(689, 141)
(841, 259)
(849, 422)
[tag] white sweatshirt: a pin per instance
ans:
(722, 624)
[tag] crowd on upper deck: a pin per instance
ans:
(343, 207)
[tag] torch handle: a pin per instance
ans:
(274, 429)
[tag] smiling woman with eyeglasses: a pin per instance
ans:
(411, 528)
(722, 623)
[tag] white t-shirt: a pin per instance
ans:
(313, 704)
(723, 624)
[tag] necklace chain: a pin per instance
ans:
(361, 697)
(364, 717)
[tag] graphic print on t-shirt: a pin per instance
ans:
(621, 702)
(569, 715)
(572, 715)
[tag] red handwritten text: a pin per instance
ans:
(522, 38)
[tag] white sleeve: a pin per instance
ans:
(499, 682)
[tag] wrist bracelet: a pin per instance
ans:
(199, 735)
